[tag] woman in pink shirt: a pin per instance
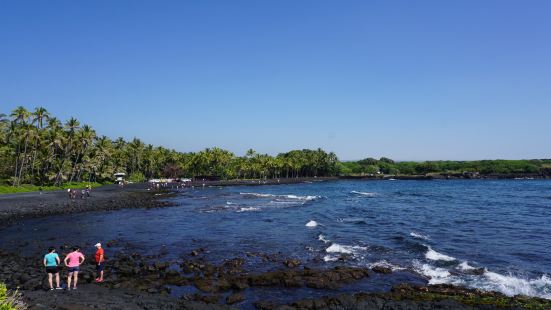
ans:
(73, 261)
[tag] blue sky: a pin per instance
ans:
(410, 80)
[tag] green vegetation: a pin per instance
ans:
(38, 149)
(8, 189)
(10, 300)
(371, 166)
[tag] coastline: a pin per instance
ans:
(21, 206)
(143, 282)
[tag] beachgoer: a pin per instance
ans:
(100, 259)
(51, 262)
(73, 261)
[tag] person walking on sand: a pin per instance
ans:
(100, 259)
(51, 262)
(73, 260)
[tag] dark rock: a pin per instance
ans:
(381, 269)
(74, 307)
(291, 263)
(235, 298)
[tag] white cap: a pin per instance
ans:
(98, 245)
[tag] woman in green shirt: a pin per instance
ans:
(51, 262)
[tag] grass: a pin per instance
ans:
(25, 188)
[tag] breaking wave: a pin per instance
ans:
(419, 236)
(433, 255)
(436, 275)
(294, 197)
(511, 285)
(248, 209)
(366, 194)
(322, 238)
(386, 264)
(311, 224)
(343, 249)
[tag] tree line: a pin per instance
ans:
(372, 166)
(38, 148)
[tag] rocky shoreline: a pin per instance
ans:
(145, 282)
(135, 281)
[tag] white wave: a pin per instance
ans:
(436, 275)
(386, 264)
(312, 224)
(343, 249)
(307, 198)
(257, 194)
(367, 194)
(229, 203)
(330, 258)
(322, 238)
(511, 285)
(465, 266)
(418, 235)
(355, 220)
(294, 197)
(248, 209)
(433, 255)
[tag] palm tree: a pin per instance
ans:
(38, 116)
(71, 126)
(19, 117)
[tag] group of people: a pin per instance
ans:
(84, 193)
(72, 261)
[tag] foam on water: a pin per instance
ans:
(343, 249)
(354, 220)
(465, 266)
(386, 264)
(257, 195)
(248, 209)
(294, 197)
(511, 285)
(322, 238)
(366, 194)
(311, 223)
(419, 235)
(436, 275)
(433, 255)
(329, 258)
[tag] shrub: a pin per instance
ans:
(136, 177)
(10, 300)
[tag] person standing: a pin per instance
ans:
(73, 260)
(51, 262)
(100, 260)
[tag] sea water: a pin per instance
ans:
(487, 234)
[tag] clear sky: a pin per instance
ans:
(410, 80)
